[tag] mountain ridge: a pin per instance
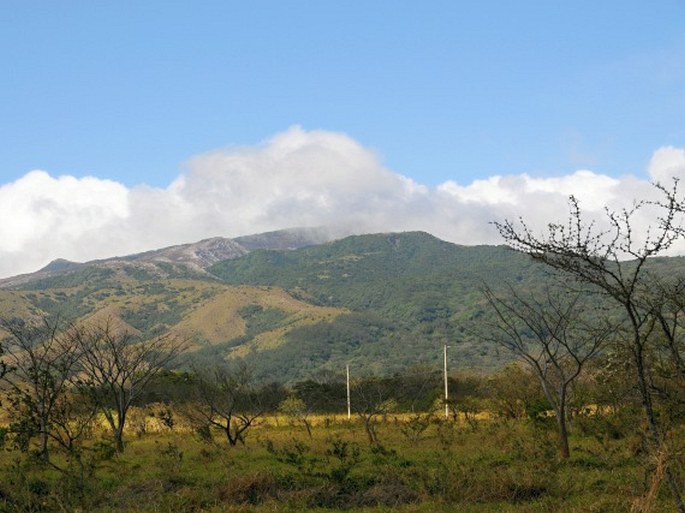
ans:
(376, 302)
(196, 256)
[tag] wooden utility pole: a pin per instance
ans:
(447, 408)
(349, 403)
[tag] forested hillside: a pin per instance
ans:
(408, 295)
(380, 303)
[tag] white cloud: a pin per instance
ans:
(667, 163)
(44, 217)
(595, 189)
(296, 178)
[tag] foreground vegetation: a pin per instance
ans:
(421, 463)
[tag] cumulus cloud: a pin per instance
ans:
(296, 178)
(44, 217)
(667, 163)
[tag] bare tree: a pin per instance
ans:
(552, 338)
(513, 402)
(227, 401)
(115, 367)
(373, 397)
(297, 411)
(3, 363)
(665, 300)
(40, 361)
(614, 260)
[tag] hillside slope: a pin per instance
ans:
(180, 261)
(380, 303)
(409, 294)
(221, 321)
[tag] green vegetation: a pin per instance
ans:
(259, 319)
(420, 463)
(410, 293)
(381, 303)
(75, 278)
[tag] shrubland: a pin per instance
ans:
(495, 452)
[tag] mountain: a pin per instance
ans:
(408, 294)
(294, 304)
(180, 261)
(289, 239)
(197, 256)
(59, 265)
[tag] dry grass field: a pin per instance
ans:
(421, 464)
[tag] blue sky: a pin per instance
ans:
(133, 125)
(440, 90)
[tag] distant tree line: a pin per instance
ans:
(57, 378)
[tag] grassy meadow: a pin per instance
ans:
(421, 463)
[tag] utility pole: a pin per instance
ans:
(447, 408)
(349, 403)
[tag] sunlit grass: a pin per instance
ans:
(492, 465)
